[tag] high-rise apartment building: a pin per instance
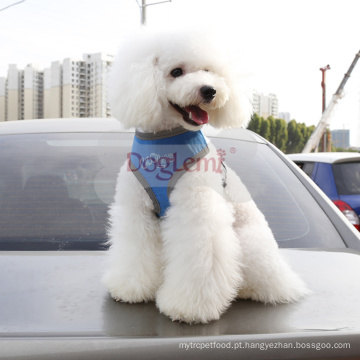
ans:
(341, 138)
(21, 94)
(53, 107)
(285, 115)
(31, 103)
(14, 93)
(71, 88)
(266, 105)
(3, 95)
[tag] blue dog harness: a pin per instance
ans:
(158, 160)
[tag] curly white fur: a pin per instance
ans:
(140, 85)
(214, 244)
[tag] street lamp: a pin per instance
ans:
(143, 9)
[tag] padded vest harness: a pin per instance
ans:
(158, 160)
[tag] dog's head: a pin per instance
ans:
(163, 80)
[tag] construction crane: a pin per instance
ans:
(315, 137)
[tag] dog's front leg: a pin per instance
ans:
(201, 254)
(133, 273)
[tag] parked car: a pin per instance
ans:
(57, 178)
(338, 175)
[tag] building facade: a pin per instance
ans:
(53, 105)
(67, 89)
(32, 99)
(21, 94)
(285, 115)
(3, 96)
(341, 138)
(265, 105)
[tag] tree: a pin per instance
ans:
(255, 123)
(265, 128)
(290, 138)
(295, 141)
(272, 136)
(281, 134)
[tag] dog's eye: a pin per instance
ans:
(176, 72)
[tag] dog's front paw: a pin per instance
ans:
(188, 310)
(131, 296)
(128, 291)
(190, 316)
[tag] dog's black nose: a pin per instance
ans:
(208, 93)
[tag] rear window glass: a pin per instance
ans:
(292, 213)
(347, 178)
(55, 190)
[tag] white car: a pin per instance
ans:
(57, 179)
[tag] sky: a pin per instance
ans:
(283, 43)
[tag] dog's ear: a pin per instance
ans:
(135, 87)
(237, 111)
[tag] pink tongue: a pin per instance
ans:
(198, 115)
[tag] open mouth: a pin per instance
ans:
(192, 114)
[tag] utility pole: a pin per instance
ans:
(326, 140)
(143, 9)
(323, 85)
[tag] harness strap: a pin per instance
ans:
(224, 178)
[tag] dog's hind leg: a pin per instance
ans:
(267, 276)
(134, 255)
(201, 256)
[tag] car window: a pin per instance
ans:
(55, 190)
(292, 213)
(308, 168)
(347, 178)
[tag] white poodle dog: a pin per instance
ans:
(180, 230)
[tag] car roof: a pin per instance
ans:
(326, 157)
(60, 125)
(82, 125)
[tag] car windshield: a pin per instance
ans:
(347, 178)
(55, 190)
